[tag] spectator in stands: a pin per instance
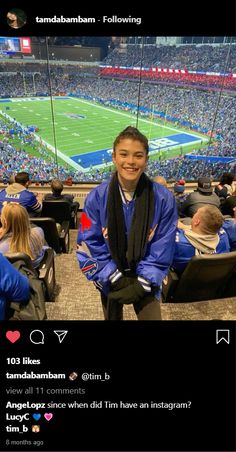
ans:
(16, 234)
(180, 196)
(57, 187)
(160, 180)
(69, 181)
(18, 192)
(224, 189)
(13, 286)
(203, 195)
(16, 18)
(204, 236)
(128, 226)
(227, 207)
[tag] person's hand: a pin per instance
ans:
(131, 294)
(121, 283)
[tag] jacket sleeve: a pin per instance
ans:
(230, 228)
(93, 254)
(159, 254)
(13, 285)
(34, 204)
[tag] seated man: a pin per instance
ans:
(18, 192)
(228, 206)
(179, 194)
(13, 286)
(57, 187)
(225, 188)
(198, 198)
(204, 236)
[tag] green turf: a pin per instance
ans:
(78, 136)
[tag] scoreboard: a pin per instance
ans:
(10, 45)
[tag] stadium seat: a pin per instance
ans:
(206, 277)
(47, 273)
(59, 241)
(59, 209)
(230, 290)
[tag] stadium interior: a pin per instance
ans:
(65, 99)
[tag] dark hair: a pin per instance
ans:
(227, 178)
(22, 178)
(133, 134)
(20, 16)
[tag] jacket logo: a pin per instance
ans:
(85, 222)
(89, 267)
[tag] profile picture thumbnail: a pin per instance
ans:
(16, 18)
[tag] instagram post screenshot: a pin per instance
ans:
(117, 229)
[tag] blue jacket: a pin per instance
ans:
(13, 285)
(230, 228)
(96, 261)
(18, 193)
(184, 251)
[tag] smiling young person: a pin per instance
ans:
(128, 226)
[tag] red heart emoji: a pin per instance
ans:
(13, 336)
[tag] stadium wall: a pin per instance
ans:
(80, 191)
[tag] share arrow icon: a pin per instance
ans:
(61, 334)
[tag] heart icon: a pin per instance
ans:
(48, 416)
(13, 336)
(36, 416)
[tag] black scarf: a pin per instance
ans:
(130, 253)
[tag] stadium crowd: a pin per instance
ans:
(189, 107)
(191, 57)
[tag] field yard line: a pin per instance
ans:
(59, 153)
(140, 119)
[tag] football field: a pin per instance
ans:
(85, 130)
